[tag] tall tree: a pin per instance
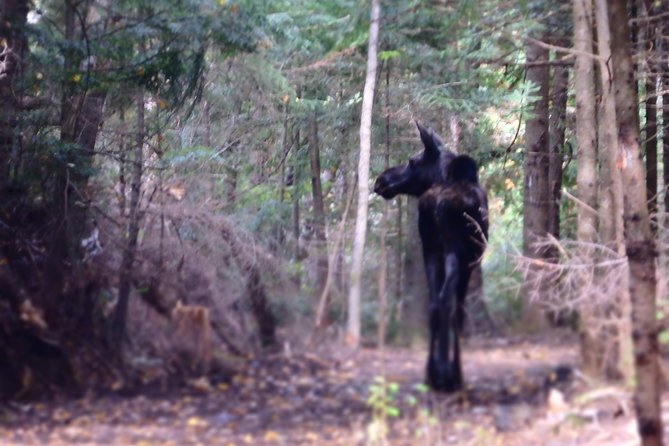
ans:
(557, 126)
(319, 205)
(535, 192)
(610, 211)
(117, 327)
(353, 325)
(586, 177)
(639, 239)
(650, 140)
(664, 9)
(13, 15)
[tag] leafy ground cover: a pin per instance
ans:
(520, 391)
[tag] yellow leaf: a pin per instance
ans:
(76, 77)
(61, 415)
(509, 184)
(221, 2)
(271, 436)
(196, 422)
(177, 192)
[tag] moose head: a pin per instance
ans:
(421, 171)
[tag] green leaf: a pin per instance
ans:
(387, 55)
(393, 411)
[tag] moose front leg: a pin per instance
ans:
(434, 270)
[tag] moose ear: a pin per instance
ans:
(432, 142)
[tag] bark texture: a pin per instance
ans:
(586, 177)
(557, 125)
(536, 192)
(120, 315)
(354, 296)
(320, 239)
(639, 239)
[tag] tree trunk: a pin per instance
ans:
(123, 149)
(609, 330)
(665, 119)
(383, 254)
(119, 318)
(536, 192)
(231, 188)
(80, 120)
(639, 238)
(353, 326)
(319, 207)
(283, 159)
(13, 15)
(557, 125)
(296, 195)
(414, 303)
(592, 348)
(399, 250)
(650, 140)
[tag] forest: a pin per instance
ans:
(334, 222)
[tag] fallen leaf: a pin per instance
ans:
(196, 422)
(271, 436)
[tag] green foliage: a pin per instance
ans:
(381, 400)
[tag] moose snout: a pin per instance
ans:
(380, 184)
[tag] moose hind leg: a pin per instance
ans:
(434, 360)
(447, 357)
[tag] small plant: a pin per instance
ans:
(381, 400)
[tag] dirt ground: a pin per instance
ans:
(520, 391)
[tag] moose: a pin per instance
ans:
(453, 227)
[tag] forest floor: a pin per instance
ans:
(520, 391)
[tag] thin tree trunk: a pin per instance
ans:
(592, 350)
(382, 284)
(122, 181)
(353, 326)
(213, 167)
(665, 119)
(610, 191)
(231, 187)
(119, 318)
(536, 192)
(557, 125)
(650, 142)
(296, 194)
(283, 174)
(414, 303)
(619, 362)
(13, 14)
(639, 238)
(399, 251)
(319, 207)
